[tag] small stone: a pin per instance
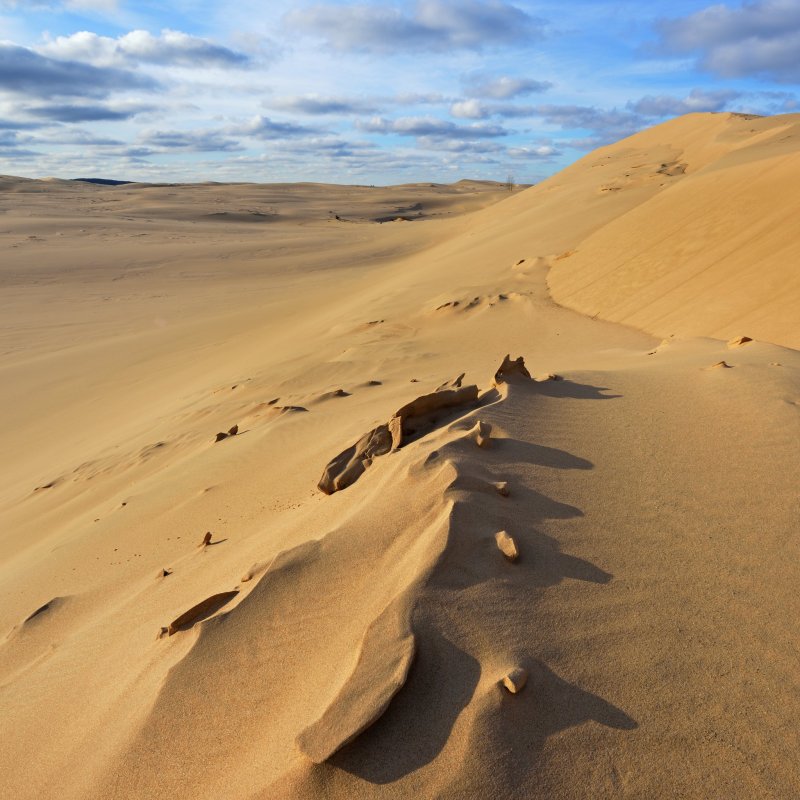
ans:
(502, 488)
(482, 432)
(233, 431)
(515, 680)
(506, 545)
(220, 436)
(165, 572)
(206, 539)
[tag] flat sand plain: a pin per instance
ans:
(578, 582)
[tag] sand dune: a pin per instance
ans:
(569, 571)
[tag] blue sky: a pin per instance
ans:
(360, 91)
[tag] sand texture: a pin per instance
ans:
(407, 492)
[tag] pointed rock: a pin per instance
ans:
(511, 369)
(482, 433)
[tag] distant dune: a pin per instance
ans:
(424, 491)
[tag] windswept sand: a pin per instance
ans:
(576, 582)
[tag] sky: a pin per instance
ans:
(368, 91)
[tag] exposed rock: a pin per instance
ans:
(506, 545)
(454, 384)
(233, 431)
(206, 539)
(348, 466)
(739, 341)
(203, 609)
(510, 369)
(413, 419)
(410, 422)
(481, 433)
(502, 488)
(515, 680)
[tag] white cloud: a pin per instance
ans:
(760, 38)
(139, 46)
(433, 25)
(697, 100)
(504, 87)
(469, 109)
(432, 127)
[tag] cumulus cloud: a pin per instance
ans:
(141, 47)
(197, 141)
(607, 125)
(262, 127)
(697, 100)
(418, 99)
(315, 105)
(64, 135)
(604, 125)
(19, 125)
(475, 109)
(23, 71)
(432, 25)
(470, 109)
(503, 88)
(84, 112)
(760, 38)
(15, 145)
(430, 126)
(538, 152)
(481, 147)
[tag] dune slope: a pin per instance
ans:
(717, 252)
(578, 580)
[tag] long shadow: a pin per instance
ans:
(417, 724)
(519, 451)
(444, 677)
(524, 722)
(577, 391)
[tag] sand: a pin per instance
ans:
(579, 579)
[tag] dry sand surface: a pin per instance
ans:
(576, 576)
